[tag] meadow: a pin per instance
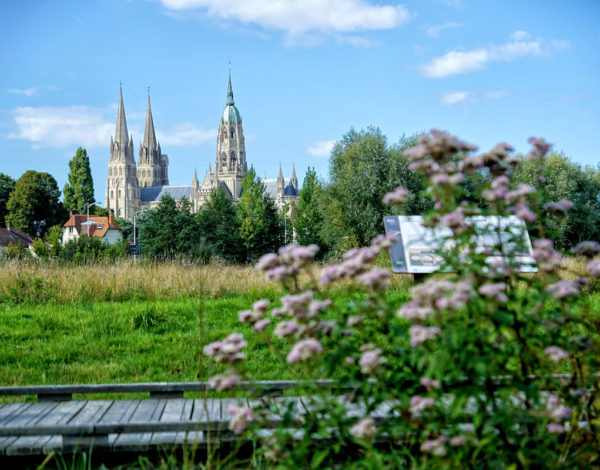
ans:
(131, 321)
(143, 322)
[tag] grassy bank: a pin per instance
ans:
(137, 322)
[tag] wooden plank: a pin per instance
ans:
(10, 409)
(173, 411)
(33, 445)
(24, 417)
(90, 412)
(147, 411)
(186, 415)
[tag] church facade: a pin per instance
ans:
(131, 187)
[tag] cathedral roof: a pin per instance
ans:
(290, 190)
(271, 187)
(155, 193)
(230, 115)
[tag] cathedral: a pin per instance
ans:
(131, 188)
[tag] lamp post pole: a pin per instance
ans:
(134, 232)
(87, 219)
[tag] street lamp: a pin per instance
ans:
(87, 219)
(134, 231)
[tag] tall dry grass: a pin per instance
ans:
(31, 281)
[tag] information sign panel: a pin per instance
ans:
(417, 248)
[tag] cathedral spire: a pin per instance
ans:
(229, 89)
(294, 179)
(195, 181)
(149, 134)
(121, 134)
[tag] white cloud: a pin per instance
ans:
(24, 91)
(297, 17)
(57, 127)
(453, 97)
(520, 36)
(73, 126)
(321, 149)
(434, 31)
(494, 95)
(459, 62)
(186, 134)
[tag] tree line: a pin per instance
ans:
(337, 214)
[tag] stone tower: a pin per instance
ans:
(122, 193)
(153, 166)
(230, 164)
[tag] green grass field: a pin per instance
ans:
(136, 323)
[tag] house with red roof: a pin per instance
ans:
(93, 226)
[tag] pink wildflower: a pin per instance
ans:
(563, 289)
(260, 305)
(588, 248)
(429, 384)
(418, 404)
(370, 361)
(547, 258)
(555, 428)
(458, 441)
(330, 274)
(223, 381)
(349, 361)
(241, 417)
(495, 290)
(419, 334)
(541, 148)
(436, 446)
(364, 429)
(375, 279)
(261, 324)
(561, 206)
(594, 267)
(228, 350)
(396, 197)
(413, 311)
(304, 350)
(286, 328)
(555, 353)
(523, 212)
(267, 262)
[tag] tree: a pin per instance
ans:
(7, 185)
(79, 190)
(34, 204)
(219, 226)
(170, 230)
(362, 168)
(559, 178)
(257, 217)
(309, 217)
(53, 237)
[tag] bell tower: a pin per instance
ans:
(230, 164)
(122, 193)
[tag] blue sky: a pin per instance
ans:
(303, 73)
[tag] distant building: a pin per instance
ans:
(96, 226)
(14, 236)
(131, 188)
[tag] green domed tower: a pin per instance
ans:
(230, 165)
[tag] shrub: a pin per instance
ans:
(462, 375)
(15, 251)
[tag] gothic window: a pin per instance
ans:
(110, 172)
(232, 159)
(112, 194)
(121, 171)
(119, 193)
(232, 134)
(223, 158)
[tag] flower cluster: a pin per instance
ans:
(223, 382)
(547, 258)
(291, 260)
(304, 350)
(371, 360)
(241, 417)
(228, 350)
(256, 316)
(358, 262)
(364, 429)
(419, 404)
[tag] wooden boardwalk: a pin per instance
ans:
(56, 423)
